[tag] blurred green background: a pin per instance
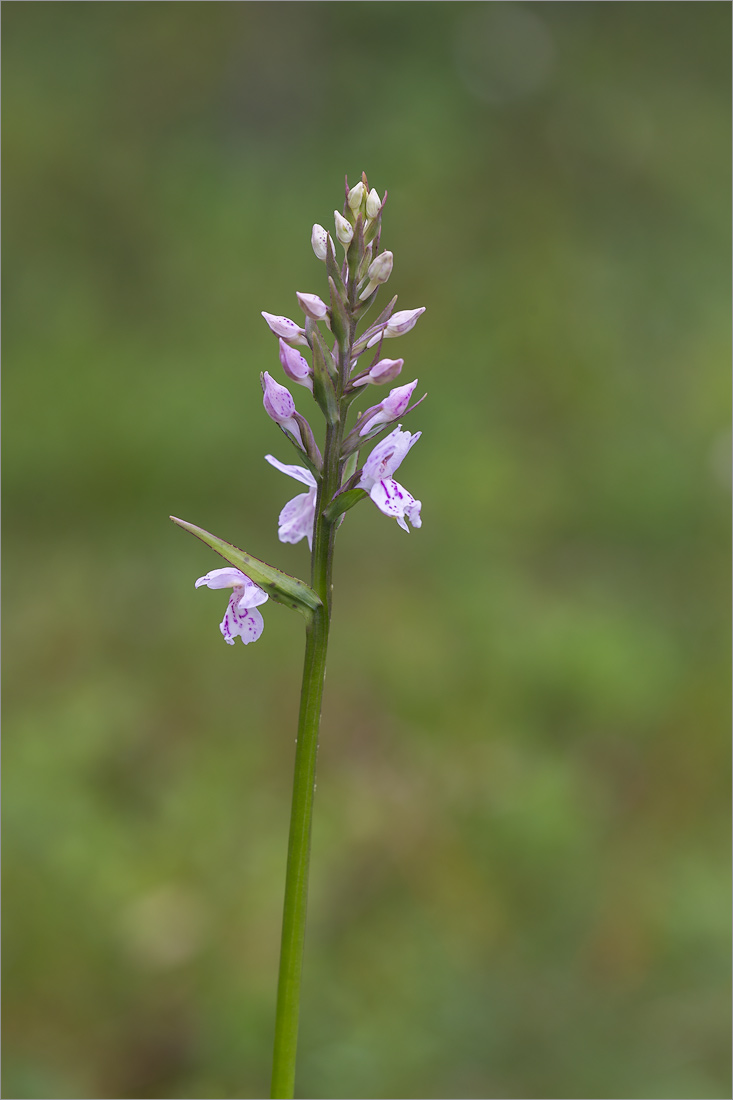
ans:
(520, 864)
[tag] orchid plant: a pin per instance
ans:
(336, 477)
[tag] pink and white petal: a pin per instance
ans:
(228, 625)
(296, 518)
(394, 500)
(247, 625)
(223, 578)
(251, 596)
(387, 456)
(251, 626)
(297, 472)
(413, 513)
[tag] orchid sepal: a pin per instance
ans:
(279, 586)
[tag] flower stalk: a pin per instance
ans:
(336, 479)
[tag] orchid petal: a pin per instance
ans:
(251, 595)
(247, 625)
(297, 518)
(387, 456)
(394, 500)
(223, 578)
(297, 472)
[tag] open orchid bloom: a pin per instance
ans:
(241, 616)
(376, 478)
(297, 517)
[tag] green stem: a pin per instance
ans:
(304, 781)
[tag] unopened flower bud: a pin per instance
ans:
(319, 241)
(278, 400)
(373, 203)
(393, 406)
(285, 328)
(356, 196)
(279, 405)
(386, 370)
(313, 306)
(344, 231)
(380, 270)
(295, 366)
(398, 324)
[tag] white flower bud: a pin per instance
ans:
(344, 230)
(356, 197)
(313, 306)
(398, 324)
(379, 271)
(319, 241)
(373, 203)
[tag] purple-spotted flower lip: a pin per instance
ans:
(241, 618)
(390, 497)
(297, 518)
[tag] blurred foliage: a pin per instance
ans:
(520, 878)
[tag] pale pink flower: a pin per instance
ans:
(298, 516)
(376, 478)
(241, 617)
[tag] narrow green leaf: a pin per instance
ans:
(342, 502)
(349, 467)
(279, 586)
